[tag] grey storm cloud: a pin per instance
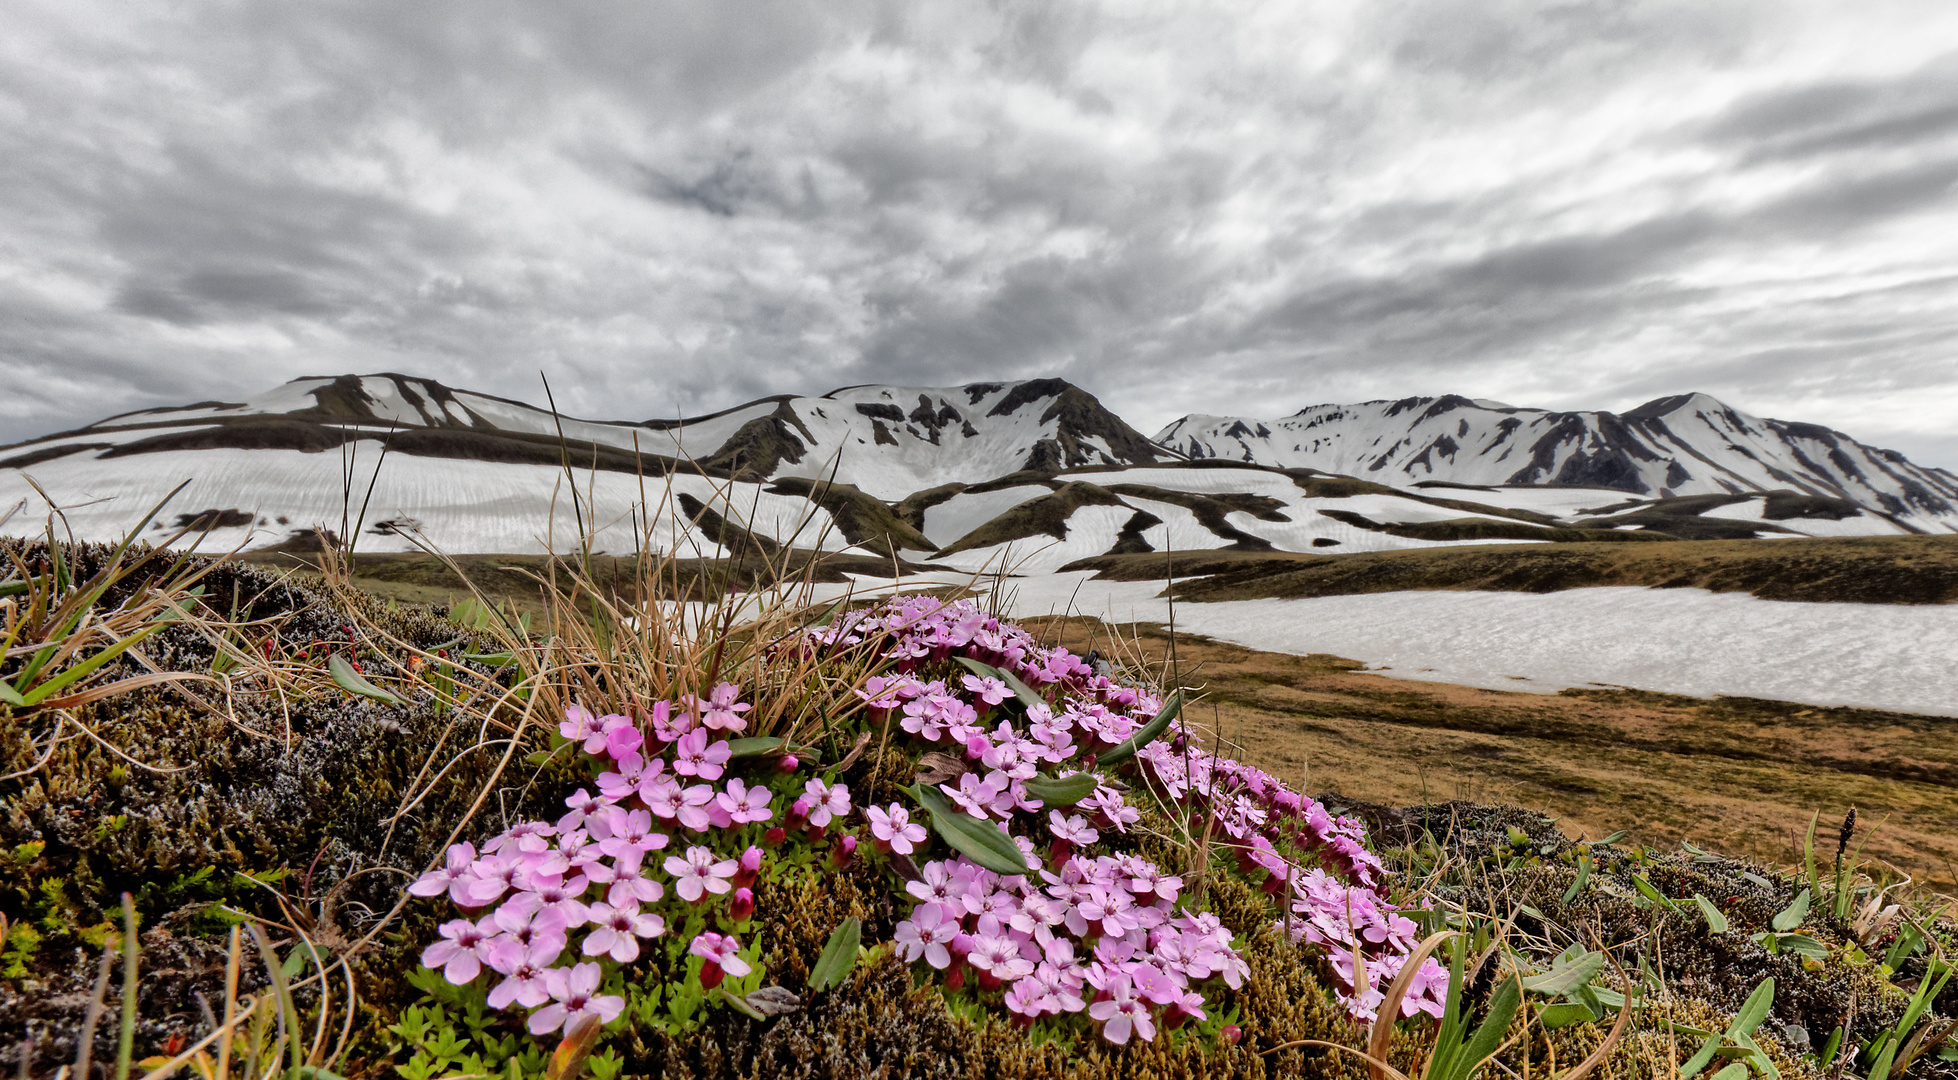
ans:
(671, 207)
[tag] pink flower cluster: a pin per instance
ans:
(593, 874)
(1098, 935)
(1318, 862)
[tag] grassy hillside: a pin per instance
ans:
(1869, 570)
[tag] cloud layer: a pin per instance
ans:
(671, 207)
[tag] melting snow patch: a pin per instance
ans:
(1682, 641)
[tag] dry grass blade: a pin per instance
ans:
(1390, 1006)
(1375, 1066)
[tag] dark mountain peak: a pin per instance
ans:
(1661, 407)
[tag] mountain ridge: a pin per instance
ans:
(1680, 444)
(968, 475)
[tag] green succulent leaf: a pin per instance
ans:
(1803, 945)
(1028, 695)
(351, 681)
(977, 840)
(1754, 1010)
(756, 747)
(1567, 978)
(839, 955)
(1791, 916)
(740, 1005)
(1063, 790)
(1715, 921)
(1148, 733)
(1651, 893)
(1564, 1014)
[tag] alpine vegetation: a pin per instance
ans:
(1028, 896)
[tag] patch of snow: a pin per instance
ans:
(1091, 530)
(1755, 509)
(461, 506)
(1694, 642)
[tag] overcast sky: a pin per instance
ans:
(1223, 208)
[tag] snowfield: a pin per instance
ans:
(1678, 641)
(457, 505)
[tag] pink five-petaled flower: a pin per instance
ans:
(666, 726)
(619, 931)
(632, 836)
(1123, 1013)
(1073, 828)
(721, 956)
(895, 829)
(722, 710)
(699, 873)
(622, 737)
(1425, 994)
(523, 968)
(453, 878)
(826, 801)
(577, 996)
(973, 795)
(745, 804)
(987, 689)
(693, 756)
(460, 953)
(927, 934)
(580, 726)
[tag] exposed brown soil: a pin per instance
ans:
(1736, 775)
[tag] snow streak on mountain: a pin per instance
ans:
(1687, 444)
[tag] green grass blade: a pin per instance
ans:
(131, 946)
(1489, 1036)
(87, 667)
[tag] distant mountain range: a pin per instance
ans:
(1035, 472)
(1689, 444)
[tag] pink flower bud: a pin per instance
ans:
(1232, 1033)
(750, 865)
(775, 836)
(742, 906)
(788, 763)
(844, 852)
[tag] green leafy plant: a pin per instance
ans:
(1737, 1041)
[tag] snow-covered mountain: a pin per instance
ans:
(1687, 444)
(888, 441)
(1033, 475)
